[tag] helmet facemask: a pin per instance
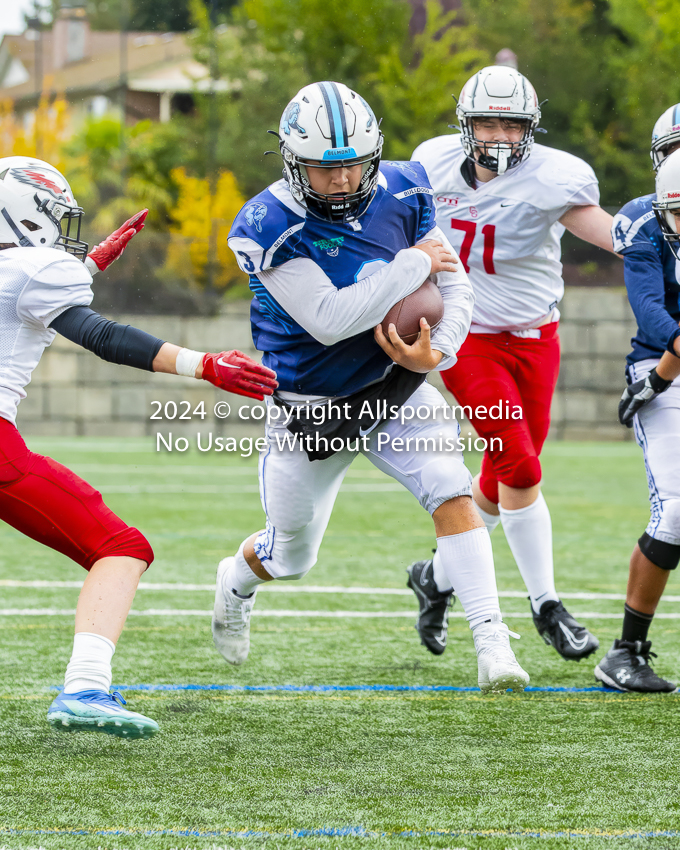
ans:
(668, 224)
(58, 213)
(338, 208)
(668, 199)
(494, 155)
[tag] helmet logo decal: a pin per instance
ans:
(290, 118)
(254, 215)
(40, 181)
(371, 114)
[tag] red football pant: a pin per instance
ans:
(503, 368)
(46, 501)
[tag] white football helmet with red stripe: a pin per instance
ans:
(37, 207)
(668, 199)
(501, 92)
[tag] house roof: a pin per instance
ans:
(155, 62)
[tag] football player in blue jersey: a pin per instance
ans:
(329, 250)
(646, 233)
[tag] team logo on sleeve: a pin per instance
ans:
(289, 121)
(254, 215)
(402, 166)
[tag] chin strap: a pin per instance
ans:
(24, 241)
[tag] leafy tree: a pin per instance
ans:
(607, 68)
(233, 124)
(113, 182)
(335, 41)
(43, 137)
(414, 82)
(200, 218)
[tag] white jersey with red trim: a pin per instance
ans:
(36, 286)
(507, 231)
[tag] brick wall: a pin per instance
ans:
(73, 392)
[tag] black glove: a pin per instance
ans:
(638, 394)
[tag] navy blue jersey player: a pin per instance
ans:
(645, 232)
(329, 249)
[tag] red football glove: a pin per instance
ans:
(112, 247)
(235, 372)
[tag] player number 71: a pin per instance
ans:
(469, 229)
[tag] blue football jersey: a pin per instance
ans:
(652, 276)
(272, 229)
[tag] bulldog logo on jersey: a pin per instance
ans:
(254, 215)
(41, 179)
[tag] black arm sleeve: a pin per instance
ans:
(112, 342)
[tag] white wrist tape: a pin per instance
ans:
(91, 266)
(187, 362)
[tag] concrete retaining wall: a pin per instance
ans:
(75, 393)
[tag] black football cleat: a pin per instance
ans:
(626, 667)
(433, 618)
(559, 629)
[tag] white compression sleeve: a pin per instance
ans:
(459, 299)
(330, 314)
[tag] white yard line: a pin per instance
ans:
(335, 615)
(291, 587)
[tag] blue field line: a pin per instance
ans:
(351, 832)
(329, 689)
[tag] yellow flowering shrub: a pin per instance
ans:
(201, 221)
(43, 136)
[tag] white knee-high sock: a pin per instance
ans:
(529, 534)
(439, 573)
(467, 559)
(240, 578)
(490, 520)
(90, 666)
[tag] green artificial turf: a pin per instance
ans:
(412, 769)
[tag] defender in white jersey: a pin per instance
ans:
(45, 289)
(504, 203)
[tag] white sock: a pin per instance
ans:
(490, 520)
(529, 534)
(90, 666)
(468, 562)
(240, 578)
(439, 574)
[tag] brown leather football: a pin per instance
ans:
(406, 314)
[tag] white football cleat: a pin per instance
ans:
(231, 619)
(498, 668)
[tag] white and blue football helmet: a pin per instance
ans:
(666, 132)
(328, 125)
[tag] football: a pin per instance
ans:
(406, 314)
